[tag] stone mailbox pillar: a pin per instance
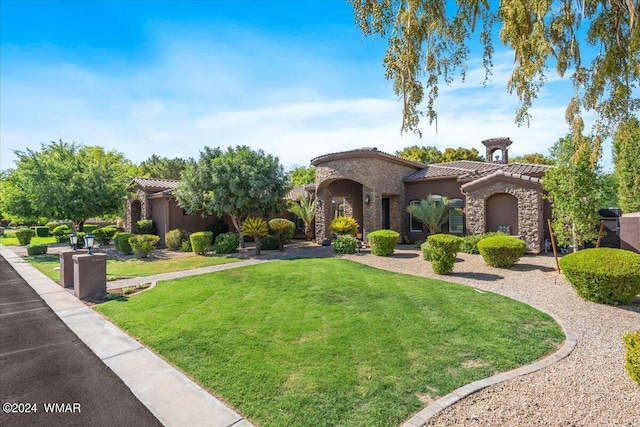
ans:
(90, 276)
(66, 266)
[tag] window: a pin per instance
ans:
(299, 223)
(456, 216)
(414, 224)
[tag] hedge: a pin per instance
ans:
(145, 226)
(122, 243)
(201, 242)
(41, 231)
(470, 242)
(345, 244)
(37, 249)
(442, 251)
(383, 242)
(105, 234)
(632, 354)
(604, 275)
(270, 242)
(425, 248)
(501, 251)
(226, 243)
(174, 239)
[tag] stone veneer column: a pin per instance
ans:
(323, 215)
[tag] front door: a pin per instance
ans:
(386, 213)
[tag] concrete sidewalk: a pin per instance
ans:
(169, 395)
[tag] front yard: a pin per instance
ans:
(326, 342)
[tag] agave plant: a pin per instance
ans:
(257, 228)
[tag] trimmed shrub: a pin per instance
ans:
(383, 242)
(501, 251)
(201, 242)
(37, 249)
(344, 225)
(174, 239)
(425, 251)
(632, 354)
(89, 228)
(226, 243)
(604, 275)
(145, 226)
(143, 244)
(61, 232)
(51, 225)
(41, 231)
(442, 251)
(24, 235)
(270, 242)
(345, 244)
(470, 243)
(122, 243)
(105, 234)
(186, 246)
(217, 228)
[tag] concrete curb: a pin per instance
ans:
(421, 418)
(171, 397)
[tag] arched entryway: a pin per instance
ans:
(502, 213)
(340, 197)
(136, 214)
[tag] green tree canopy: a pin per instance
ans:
(574, 191)
(239, 182)
(67, 181)
(626, 159)
(595, 42)
(163, 167)
(301, 175)
(535, 158)
(431, 154)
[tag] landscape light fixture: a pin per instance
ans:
(88, 242)
(73, 238)
(367, 199)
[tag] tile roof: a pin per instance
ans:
(300, 189)
(468, 169)
(500, 172)
(364, 152)
(155, 184)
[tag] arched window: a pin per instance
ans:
(456, 216)
(414, 224)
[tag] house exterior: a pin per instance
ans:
(376, 187)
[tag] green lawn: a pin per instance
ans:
(328, 342)
(48, 264)
(13, 241)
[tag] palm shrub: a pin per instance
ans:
(143, 244)
(344, 225)
(283, 228)
(632, 354)
(226, 243)
(24, 235)
(122, 243)
(383, 242)
(470, 242)
(305, 209)
(174, 238)
(257, 228)
(604, 275)
(145, 226)
(501, 251)
(345, 244)
(105, 234)
(60, 233)
(432, 212)
(37, 249)
(442, 251)
(201, 242)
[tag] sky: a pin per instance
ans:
(296, 79)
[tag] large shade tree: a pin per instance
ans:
(301, 175)
(431, 154)
(163, 167)
(67, 181)
(240, 182)
(594, 42)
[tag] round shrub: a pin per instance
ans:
(24, 235)
(605, 275)
(344, 225)
(145, 226)
(51, 225)
(37, 249)
(226, 243)
(143, 244)
(442, 251)
(174, 239)
(122, 243)
(270, 242)
(186, 246)
(345, 244)
(470, 243)
(60, 233)
(632, 354)
(383, 242)
(501, 251)
(201, 242)
(105, 234)
(425, 248)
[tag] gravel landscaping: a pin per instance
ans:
(588, 388)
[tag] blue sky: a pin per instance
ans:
(294, 78)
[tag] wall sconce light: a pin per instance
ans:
(88, 242)
(73, 238)
(367, 199)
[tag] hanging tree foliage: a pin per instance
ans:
(429, 45)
